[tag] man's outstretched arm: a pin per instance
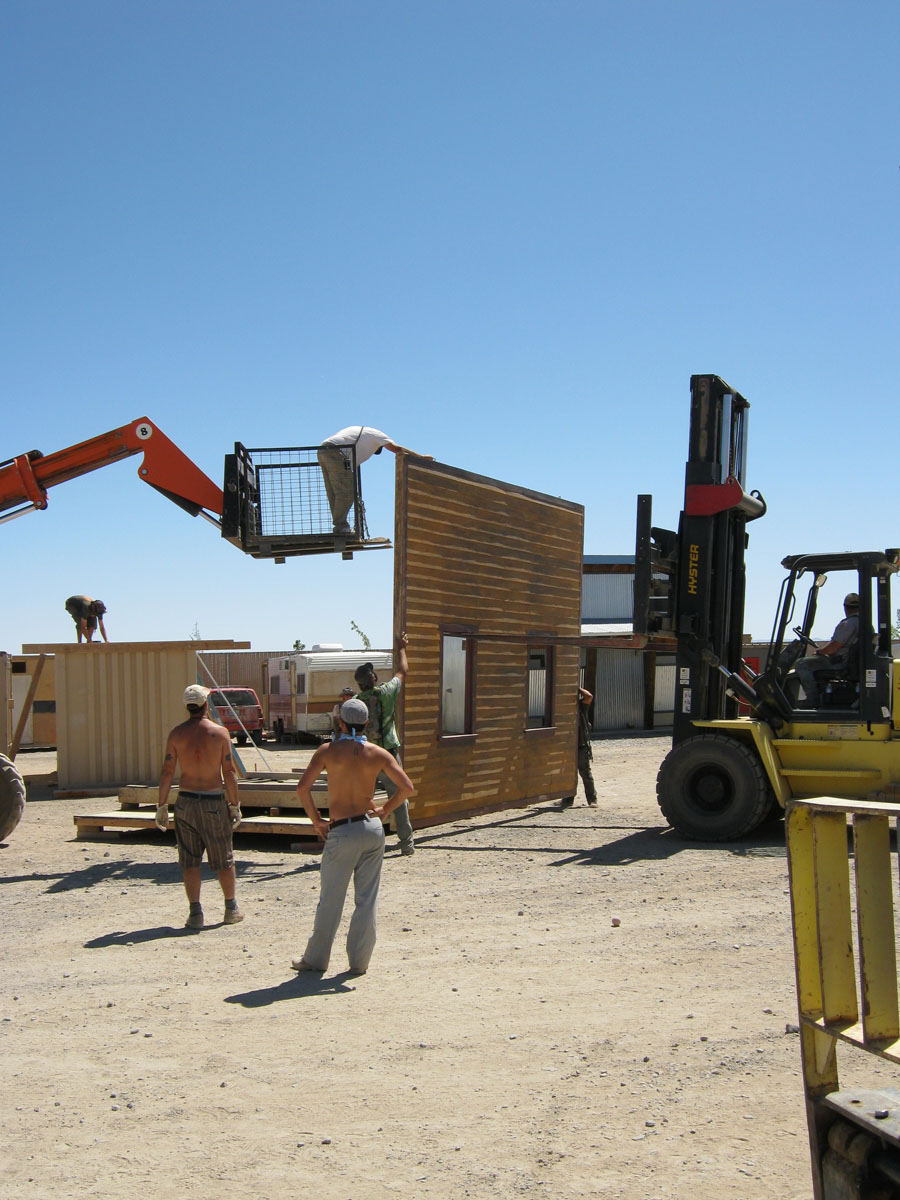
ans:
(405, 450)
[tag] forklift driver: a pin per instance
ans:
(832, 659)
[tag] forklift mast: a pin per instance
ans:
(704, 562)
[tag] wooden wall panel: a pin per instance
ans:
(115, 705)
(505, 562)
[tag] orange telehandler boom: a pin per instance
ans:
(24, 480)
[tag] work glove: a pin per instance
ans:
(234, 812)
(162, 817)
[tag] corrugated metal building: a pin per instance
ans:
(633, 689)
(237, 668)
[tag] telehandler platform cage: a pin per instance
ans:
(276, 506)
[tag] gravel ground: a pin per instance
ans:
(560, 1004)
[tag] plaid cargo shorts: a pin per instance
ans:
(202, 823)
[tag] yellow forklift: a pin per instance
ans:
(744, 744)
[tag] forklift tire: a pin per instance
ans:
(12, 797)
(713, 788)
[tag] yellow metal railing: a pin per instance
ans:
(846, 986)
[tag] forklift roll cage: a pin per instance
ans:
(870, 668)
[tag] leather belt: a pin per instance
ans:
(201, 795)
(348, 820)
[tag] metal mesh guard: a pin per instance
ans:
(292, 499)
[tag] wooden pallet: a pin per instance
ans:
(269, 805)
(89, 825)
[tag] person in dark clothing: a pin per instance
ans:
(87, 615)
(585, 753)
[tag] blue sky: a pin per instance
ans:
(505, 233)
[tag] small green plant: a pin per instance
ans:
(367, 645)
(195, 633)
(298, 646)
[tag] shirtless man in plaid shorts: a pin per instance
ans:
(207, 807)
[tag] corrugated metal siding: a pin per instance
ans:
(607, 597)
(481, 553)
(116, 704)
(238, 668)
(664, 696)
(619, 690)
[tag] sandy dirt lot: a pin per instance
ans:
(509, 1039)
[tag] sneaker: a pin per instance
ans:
(300, 964)
(407, 849)
(233, 916)
(592, 803)
(567, 803)
(195, 920)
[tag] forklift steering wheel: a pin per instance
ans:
(804, 638)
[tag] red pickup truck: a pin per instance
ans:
(239, 710)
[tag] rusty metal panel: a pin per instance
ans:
(239, 668)
(504, 563)
(115, 705)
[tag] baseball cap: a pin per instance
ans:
(196, 694)
(98, 607)
(354, 712)
(361, 672)
(851, 600)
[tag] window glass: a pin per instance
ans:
(540, 687)
(456, 683)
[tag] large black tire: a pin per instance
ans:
(713, 788)
(12, 797)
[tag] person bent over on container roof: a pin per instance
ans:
(206, 808)
(353, 837)
(87, 615)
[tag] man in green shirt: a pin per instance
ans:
(381, 700)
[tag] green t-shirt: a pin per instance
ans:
(381, 701)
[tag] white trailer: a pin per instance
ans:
(302, 688)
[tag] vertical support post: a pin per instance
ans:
(26, 707)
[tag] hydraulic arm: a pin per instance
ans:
(24, 480)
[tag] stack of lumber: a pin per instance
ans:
(269, 803)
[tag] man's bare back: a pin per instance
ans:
(202, 750)
(352, 767)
